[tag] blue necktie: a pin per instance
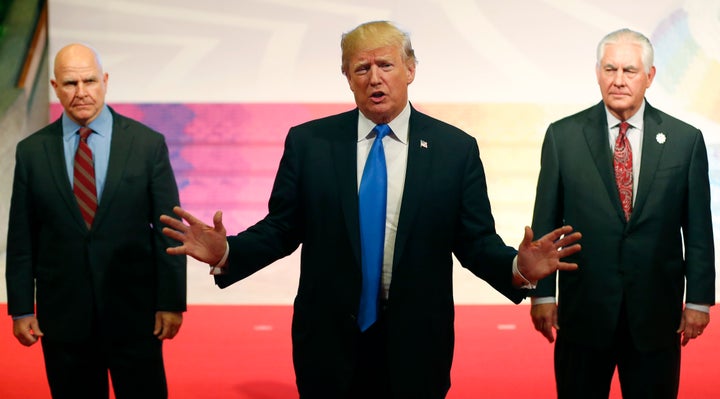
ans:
(372, 201)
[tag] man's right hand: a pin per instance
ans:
(202, 242)
(27, 330)
(544, 317)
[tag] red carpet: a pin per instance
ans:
(243, 352)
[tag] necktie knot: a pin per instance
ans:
(624, 127)
(84, 133)
(381, 131)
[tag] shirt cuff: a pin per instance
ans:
(699, 308)
(219, 268)
(530, 285)
(551, 299)
(539, 300)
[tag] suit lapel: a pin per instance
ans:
(120, 148)
(596, 135)
(344, 152)
(651, 154)
(55, 155)
(419, 161)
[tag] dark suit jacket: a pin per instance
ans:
(314, 202)
(113, 277)
(642, 262)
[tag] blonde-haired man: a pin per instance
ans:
(401, 344)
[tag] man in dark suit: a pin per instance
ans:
(640, 194)
(107, 291)
(436, 206)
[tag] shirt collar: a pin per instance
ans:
(636, 121)
(101, 125)
(399, 126)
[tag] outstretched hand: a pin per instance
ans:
(538, 259)
(202, 242)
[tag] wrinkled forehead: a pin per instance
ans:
(67, 73)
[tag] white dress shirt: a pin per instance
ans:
(395, 145)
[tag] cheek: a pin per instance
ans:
(357, 86)
(64, 97)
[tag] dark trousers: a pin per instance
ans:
(585, 372)
(372, 379)
(80, 370)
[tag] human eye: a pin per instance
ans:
(361, 69)
(632, 71)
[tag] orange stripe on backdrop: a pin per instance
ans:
(244, 352)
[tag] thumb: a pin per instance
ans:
(217, 221)
(682, 325)
(158, 325)
(36, 329)
(528, 237)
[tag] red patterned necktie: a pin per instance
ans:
(84, 178)
(622, 162)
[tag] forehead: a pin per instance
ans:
(382, 53)
(76, 70)
(623, 52)
(76, 62)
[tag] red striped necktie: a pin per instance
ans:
(84, 178)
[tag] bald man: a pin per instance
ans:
(84, 243)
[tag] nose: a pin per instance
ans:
(80, 92)
(619, 79)
(374, 75)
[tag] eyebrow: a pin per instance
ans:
(85, 79)
(627, 67)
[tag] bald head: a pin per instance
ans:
(80, 83)
(74, 55)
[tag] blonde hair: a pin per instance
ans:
(375, 34)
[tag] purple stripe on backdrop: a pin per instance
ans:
(224, 155)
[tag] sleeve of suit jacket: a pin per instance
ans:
(697, 230)
(547, 214)
(172, 271)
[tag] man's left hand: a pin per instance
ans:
(692, 324)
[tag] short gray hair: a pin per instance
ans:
(628, 35)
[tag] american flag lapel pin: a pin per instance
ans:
(423, 144)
